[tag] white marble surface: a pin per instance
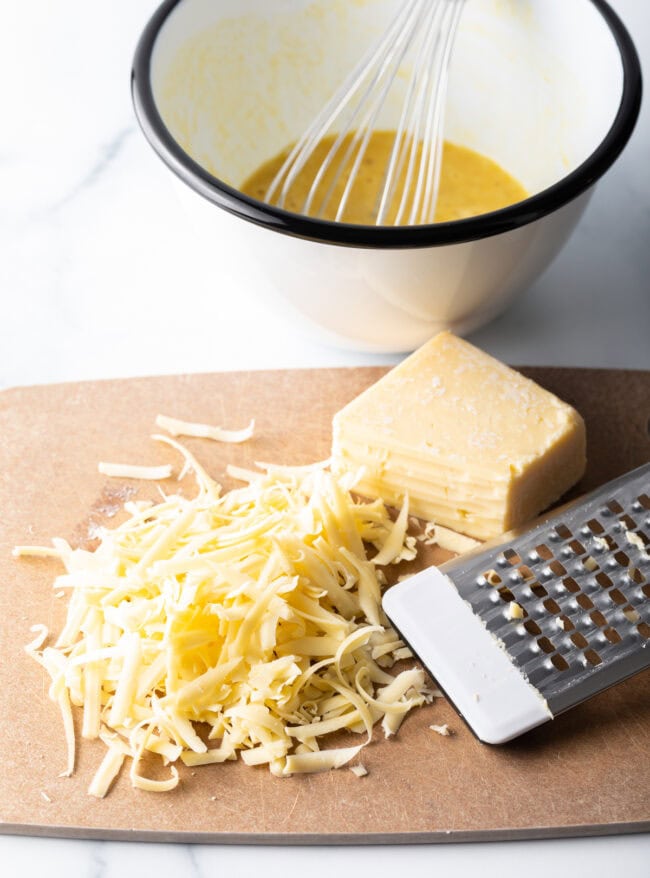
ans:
(95, 260)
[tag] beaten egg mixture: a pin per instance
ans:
(470, 183)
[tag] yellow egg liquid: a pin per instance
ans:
(470, 183)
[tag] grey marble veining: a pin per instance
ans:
(104, 161)
(58, 858)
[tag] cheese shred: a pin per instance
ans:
(204, 431)
(134, 471)
(254, 614)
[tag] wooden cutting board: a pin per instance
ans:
(588, 772)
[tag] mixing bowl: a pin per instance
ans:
(548, 89)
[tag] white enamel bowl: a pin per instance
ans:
(549, 89)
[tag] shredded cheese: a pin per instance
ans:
(134, 471)
(590, 564)
(436, 534)
(635, 539)
(256, 612)
(35, 552)
(109, 768)
(204, 431)
(515, 611)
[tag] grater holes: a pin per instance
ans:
(603, 580)
(627, 521)
(552, 606)
(585, 602)
(538, 590)
(563, 531)
(612, 635)
(583, 555)
(576, 547)
(631, 614)
(595, 527)
(570, 584)
(635, 575)
(597, 618)
(617, 597)
(512, 557)
(643, 501)
(592, 657)
(614, 507)
(543, 552)
(491, 577)
(622, 559)
(514, 612)
(559, 662)
(638, 539)
(606, 543)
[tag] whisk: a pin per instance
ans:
(421, 34)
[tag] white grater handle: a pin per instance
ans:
(468, 663)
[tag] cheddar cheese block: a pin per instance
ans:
(475, 445)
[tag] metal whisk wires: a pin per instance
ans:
(419, 40)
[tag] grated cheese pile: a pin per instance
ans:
(256, 612)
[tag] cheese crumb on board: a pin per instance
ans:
(359, 770)
(478, 448)
(256, 613)
(443, 730)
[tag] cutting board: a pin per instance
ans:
(588, 772)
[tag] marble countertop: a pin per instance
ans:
(93, 253)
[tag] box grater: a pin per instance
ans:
(526, 627)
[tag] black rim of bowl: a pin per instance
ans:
(346, 234)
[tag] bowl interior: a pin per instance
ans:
(534, 84)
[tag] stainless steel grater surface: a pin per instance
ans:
(528, 626)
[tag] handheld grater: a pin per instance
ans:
(520, 630)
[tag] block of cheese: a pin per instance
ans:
(475, 445)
